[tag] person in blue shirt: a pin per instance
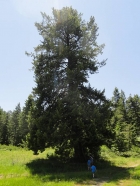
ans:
(91, 158)
(93, 169)
(89, 164)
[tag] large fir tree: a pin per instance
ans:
(69, 115)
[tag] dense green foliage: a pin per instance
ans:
(16, 126)
(125, 121)
(69, 115)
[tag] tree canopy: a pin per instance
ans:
(69, 114)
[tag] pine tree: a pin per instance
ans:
(3, 127)
(124, 129)
(133, 107)
(24, 119)
(14, 126)
(69, 114)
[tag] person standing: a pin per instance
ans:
(93, 170)
(89, 164)
(91, 158)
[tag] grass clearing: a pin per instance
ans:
(20, 167)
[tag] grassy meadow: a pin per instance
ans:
(19, 167)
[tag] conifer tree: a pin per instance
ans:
(14, 126)
(122, 121)
(25, 115)
(69, 114)
(133, 107)
(3, 127)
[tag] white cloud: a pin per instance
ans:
(32, 8)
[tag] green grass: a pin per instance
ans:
(121, 171)
(20, 167)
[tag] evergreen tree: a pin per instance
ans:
(3, 127)
(133, 107)
(24, 123)
(68, 114)
(124, 130)
(14, 127)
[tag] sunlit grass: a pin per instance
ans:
(125, 171)
(19, 181)
(15, 169)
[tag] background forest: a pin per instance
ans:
(123, 122)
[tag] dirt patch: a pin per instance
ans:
(133, 166)
(94, 182)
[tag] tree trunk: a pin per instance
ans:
(79, 155)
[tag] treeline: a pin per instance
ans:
(14, 125)
(123, 123)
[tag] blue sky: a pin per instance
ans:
(119, 29)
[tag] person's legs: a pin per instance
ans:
(93, 175)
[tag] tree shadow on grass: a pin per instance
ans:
(109, 172)
(53, 169)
